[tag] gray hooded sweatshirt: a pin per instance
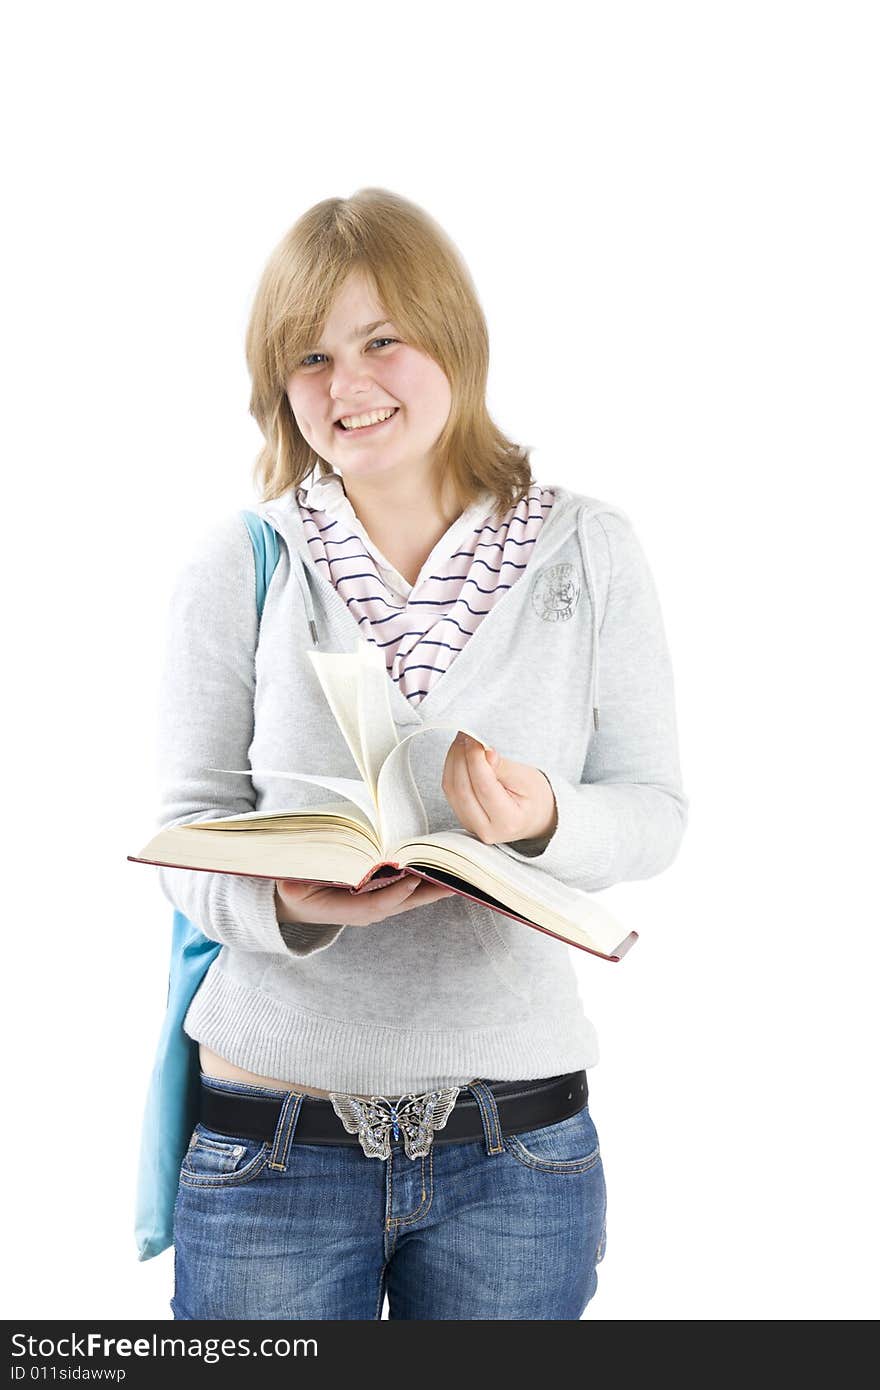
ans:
(569, 672)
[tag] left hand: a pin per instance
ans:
(495, 798)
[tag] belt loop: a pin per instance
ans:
(284, 1130)
(488, 1114)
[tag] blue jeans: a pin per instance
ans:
(280, 1229)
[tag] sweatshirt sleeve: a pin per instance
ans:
(205, 721)
(626, 818)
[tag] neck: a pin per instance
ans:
(405, 518)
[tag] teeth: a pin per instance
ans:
(355, 422)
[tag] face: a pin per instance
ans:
(357, 368)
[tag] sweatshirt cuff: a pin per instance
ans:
(244, 915)
(584, 838)
(247, 919)
(305, 938)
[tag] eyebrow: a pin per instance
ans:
(368, 328)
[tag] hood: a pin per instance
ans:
(570, 511)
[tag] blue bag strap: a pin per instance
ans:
(173, 1098)
(264, 539)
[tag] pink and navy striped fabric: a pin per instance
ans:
(421, 628)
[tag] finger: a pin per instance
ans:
(465, 803)
(418, 893)
(490, 794)
(298, 890)
(452, 765)
(379, 885)
(400, 888)
(486, 796)
(426, 893)
(362, 909)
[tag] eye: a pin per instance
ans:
(307, 363)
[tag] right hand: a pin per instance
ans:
(313, 904)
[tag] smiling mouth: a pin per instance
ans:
(365, 429)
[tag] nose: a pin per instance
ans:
(349, 386)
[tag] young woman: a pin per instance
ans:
(394, 1094)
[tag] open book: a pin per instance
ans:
(376, 828)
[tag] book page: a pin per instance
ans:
(338, 673)
(349, 787)
(291, 817)
(402, 814)
(378, 732)
(571, 913)
(356, 687)
(343, 858)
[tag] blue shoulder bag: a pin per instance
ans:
(172, 1108)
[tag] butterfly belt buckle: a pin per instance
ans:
(376, 1119)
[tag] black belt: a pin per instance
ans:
(522, 1105)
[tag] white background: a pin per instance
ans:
(670, 213)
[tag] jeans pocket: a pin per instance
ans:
(566, 1146)
(214, 1159)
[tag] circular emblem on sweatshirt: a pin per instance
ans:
(555, 592)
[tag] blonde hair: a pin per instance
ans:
(427, 291)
